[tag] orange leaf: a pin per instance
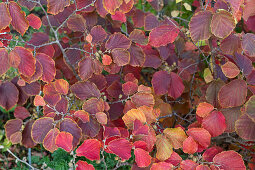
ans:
(107, 60)
(204, 109)
(101, 118)
(39, 101)
(131, 116)
(62, 86)
(230, 69)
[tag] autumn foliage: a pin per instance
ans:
(107, 76)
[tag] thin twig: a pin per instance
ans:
(18, 159)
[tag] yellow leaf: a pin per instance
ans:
(176, 136)
(208, 75)
(175, 13)
(177, 1)
(164, 147)
(187, 6)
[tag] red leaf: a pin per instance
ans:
(129, 88)
(38, 74)
(51, 95)
(161, 166)
(163, 35)
(119, 16)
(121, 147)
(163, 82)
(199, 26)
(19, 22)
(48, 66)
(86, 5)
(139, 128)
(70, 126)
(47, 49)
(230, 70)
(34, 21)
(85, 90)
(5, 18)
(112, 5)
(90, 148)
(117, 40)
(81, 114)
(211, 152)
(229, 160)
(230, 44)
(27, 61)
(76, 23)
(9, 95)
(200, 135)
(204, 109)
(4, 60)
(49, 142)
(203, 167)
(222, 24)
(188, 164)
(64, 140)
(142, 158)
(214, 123)
(233, 94)
(55, 7)
(190, 146)
(248, 9)
(174, 159)
(141, 145)
(82, 165)
(21, 113)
